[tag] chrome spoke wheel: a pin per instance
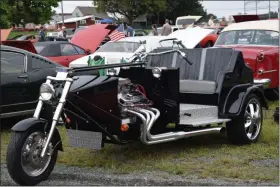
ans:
(32, 164)
(252, 119)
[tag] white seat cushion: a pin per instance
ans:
(197, 86)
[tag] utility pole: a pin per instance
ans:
(269, 9)
(62, 12)
(256, 7)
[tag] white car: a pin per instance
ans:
(122, 50)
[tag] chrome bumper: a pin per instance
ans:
(264, 82)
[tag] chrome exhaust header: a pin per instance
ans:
(149, 116)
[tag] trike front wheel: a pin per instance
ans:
(24, 163)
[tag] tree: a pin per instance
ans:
(26, 11)
(130, 9)
(4, 9)
(176, 8)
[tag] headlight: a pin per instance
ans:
(156, 72)
(46, 91)
(112, 72)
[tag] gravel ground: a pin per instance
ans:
(74, 176)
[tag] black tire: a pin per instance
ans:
(14, 162)
(209, 44)
(236, 130)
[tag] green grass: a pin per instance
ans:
(204, 156)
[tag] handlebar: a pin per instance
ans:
(144, 55)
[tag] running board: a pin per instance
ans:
(199, 115)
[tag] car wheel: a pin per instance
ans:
(209, 44)
(246, 128)
(24, 163)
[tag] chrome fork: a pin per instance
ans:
(57, 113)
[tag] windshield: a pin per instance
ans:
(39, 48)
(123, 47)
(185, 21)
(249, 37)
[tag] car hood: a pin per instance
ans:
(91, 37)
(22, 44)
(190, 37)
(243, 18)
(110, 57)
(5, 33)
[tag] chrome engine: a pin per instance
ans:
(133, 95)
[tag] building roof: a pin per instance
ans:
(272, 25)
(75, 19)
(90, 10)
(58, 17)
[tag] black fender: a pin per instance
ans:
(42, 124)
(237, 95)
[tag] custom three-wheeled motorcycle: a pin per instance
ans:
(201, 91)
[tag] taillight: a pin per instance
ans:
(260, 57)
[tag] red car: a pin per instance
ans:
(210, 39)
(259, 42)
(83, 43)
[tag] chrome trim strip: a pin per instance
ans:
(12, 114)
(265, 82)
(21, 103)
(269, 71)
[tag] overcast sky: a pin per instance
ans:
(219, 8)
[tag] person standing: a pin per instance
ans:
(128, 30)
(154, 30)
(223, 22)
(211, 21)
(41, 35)
(166, 28)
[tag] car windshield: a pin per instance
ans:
(124, 46)
(39, 48)
(249, 37)
(185, 21)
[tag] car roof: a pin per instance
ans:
(272, 25)
(9, 48)
(51, 43)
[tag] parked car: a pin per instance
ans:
(33, 38)
(211, 38)
(22, 74)
(122, 50)
(140, 32)
(15, 37)
(259, 43)
(62, 52)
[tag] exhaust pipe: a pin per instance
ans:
(148, 118)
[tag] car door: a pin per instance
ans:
(69, 53)
(14, 81)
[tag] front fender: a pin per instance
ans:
(236, 97)
(41, 124)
